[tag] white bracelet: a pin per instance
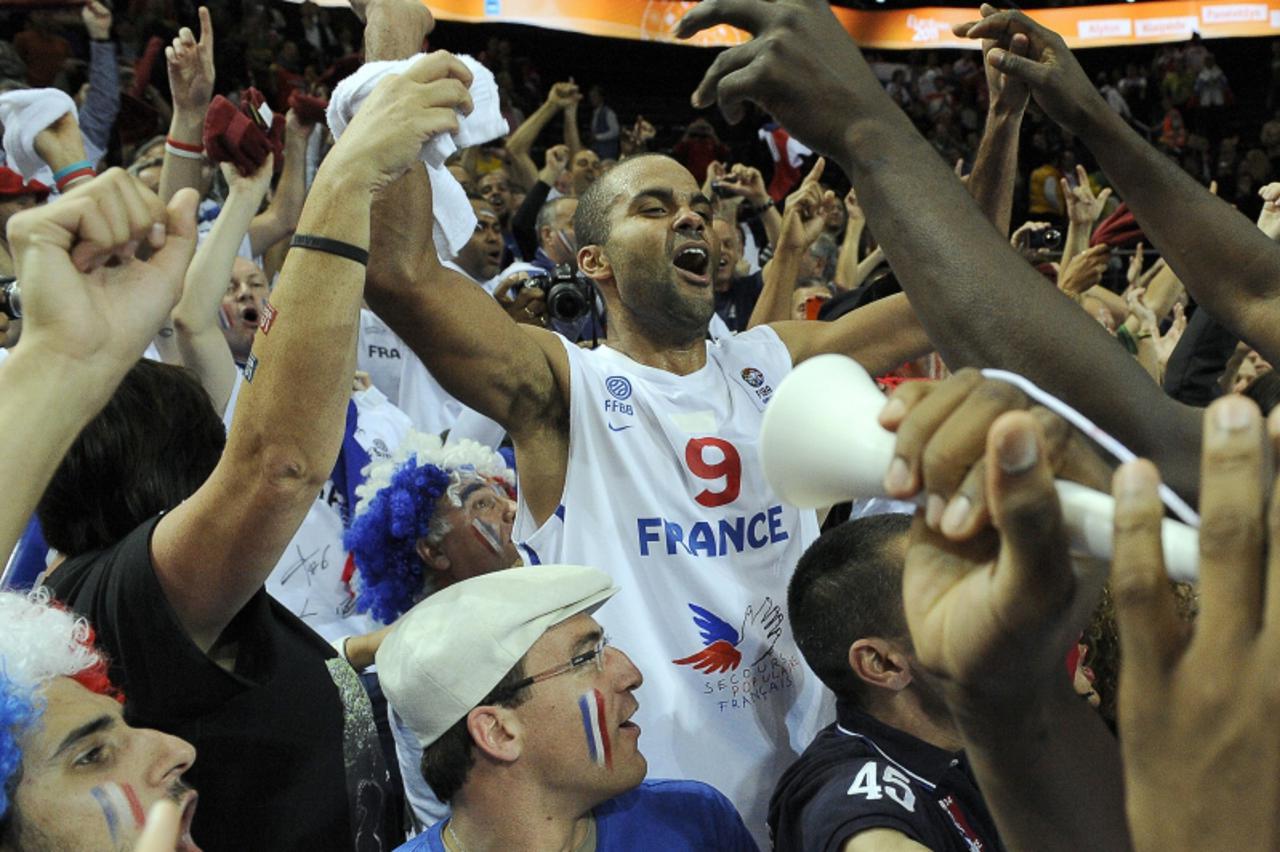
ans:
(178, 152)
(340, 645)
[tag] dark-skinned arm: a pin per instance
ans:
(981, 304)
(1227, 264)
(995, 166)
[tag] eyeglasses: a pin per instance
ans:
(595, 654)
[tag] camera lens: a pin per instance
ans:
(10, 297)
(567, 302)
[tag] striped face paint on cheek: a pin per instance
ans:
(488, 534)
(591, 705)
(116, 800)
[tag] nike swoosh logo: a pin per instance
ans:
(618, 428)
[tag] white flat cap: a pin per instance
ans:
(448, 652)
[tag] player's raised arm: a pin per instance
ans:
(516, 375)
(464, 337)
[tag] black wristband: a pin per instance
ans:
(324, 244)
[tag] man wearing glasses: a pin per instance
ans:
(523, 711)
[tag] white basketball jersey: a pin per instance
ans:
(664, 491)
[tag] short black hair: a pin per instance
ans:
(591, 219)
(447, 761)
(156, 441)
(848, 586)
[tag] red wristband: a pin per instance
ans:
(184, 146)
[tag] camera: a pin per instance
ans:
(721, 189)
(569, 295)
(1046, 238)
(10, 297)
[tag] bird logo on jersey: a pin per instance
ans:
(724, 647)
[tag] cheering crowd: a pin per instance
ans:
(384, 460)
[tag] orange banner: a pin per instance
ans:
(905, 29)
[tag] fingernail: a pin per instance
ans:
(1017, 451)
(898, 478)
(893, 411)
(157, 234)
(953, 520)
(933, 510)
(1132, 480)
(1232, 414)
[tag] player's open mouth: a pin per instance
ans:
(185, 841)
(691, 262)
(250, 316)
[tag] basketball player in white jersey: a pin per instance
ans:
(641, 456)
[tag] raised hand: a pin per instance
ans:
(557, 160)
(524, 302)
(852, 208)
(565, 95)
(190, 66)
(1269, 218)
(1021, 238)
(1037, 56)
(255, 184)
(993, 617)
(1138, 307)
(1167, 342)
(86, 295)
(745, 182)
(1007, 94)
(1134, 273)
(811, 58)
(386, 135)
(1084, 271)
(97, 20)
(806, 208)
(1083, 207)
(942, 430)
(1199, 739)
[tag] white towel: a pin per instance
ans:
(455, 220)
(24, 113)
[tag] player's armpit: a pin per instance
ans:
(881, 840)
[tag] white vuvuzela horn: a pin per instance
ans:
(821, 444)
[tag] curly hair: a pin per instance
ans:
(40, 641)
(397, 507)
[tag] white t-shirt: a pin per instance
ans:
(664, 491)
(380, 353)
(308, 577)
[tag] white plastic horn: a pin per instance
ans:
(821, 444)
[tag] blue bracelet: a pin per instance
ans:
(74, 167)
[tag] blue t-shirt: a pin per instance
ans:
(667, 815)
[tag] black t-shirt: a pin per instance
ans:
(860, 774)
(287, 752)
(736, 304)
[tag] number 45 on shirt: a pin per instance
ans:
(895, 785)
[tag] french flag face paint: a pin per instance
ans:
(119, 802)
(488, 534)
(592, 706)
